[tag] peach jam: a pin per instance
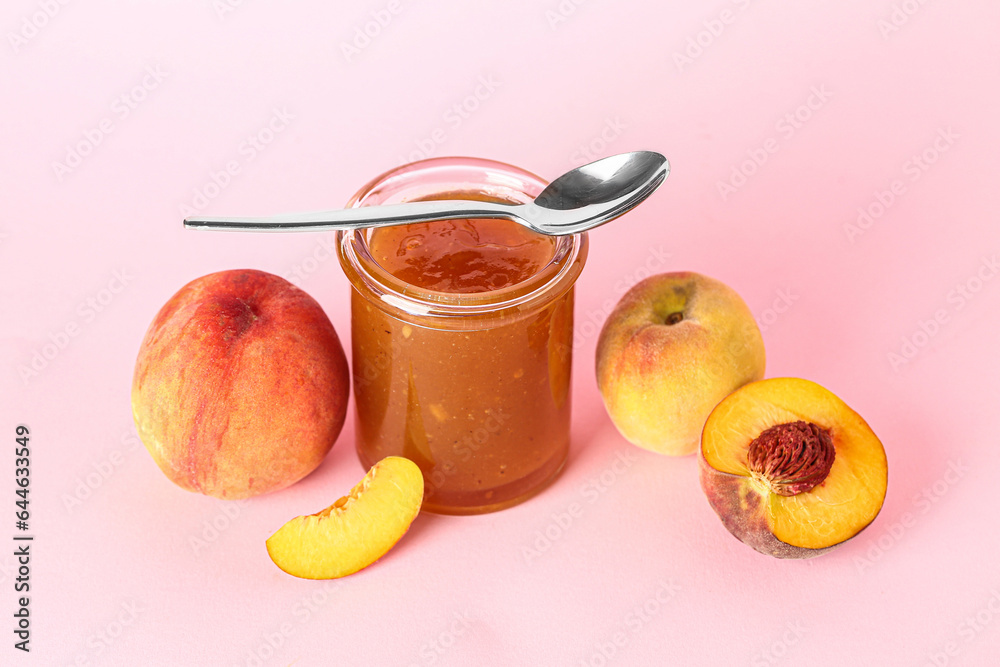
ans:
(461, 338)
(461, 256)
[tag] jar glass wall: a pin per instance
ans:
(472, 387)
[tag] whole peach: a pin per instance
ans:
(674, 346)
(240, 386)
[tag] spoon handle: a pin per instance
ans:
(365, 216)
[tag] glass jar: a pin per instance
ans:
(472, 387)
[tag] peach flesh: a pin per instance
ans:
(356, 530)
(815, 519)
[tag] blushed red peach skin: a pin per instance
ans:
(240, 386)
(786, 499)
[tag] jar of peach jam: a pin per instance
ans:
(461, 337)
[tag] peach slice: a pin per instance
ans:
(790, 469)
(356, 530)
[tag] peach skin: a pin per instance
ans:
(240, 386)
(674, 346)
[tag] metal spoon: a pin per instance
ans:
(578, 200)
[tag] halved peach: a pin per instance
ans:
(356, 530)
(790, 469)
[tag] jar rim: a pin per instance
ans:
(439, 175)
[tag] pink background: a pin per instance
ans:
(808, 111)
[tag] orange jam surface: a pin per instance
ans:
(461, 256)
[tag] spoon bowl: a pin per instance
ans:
(580, 199)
